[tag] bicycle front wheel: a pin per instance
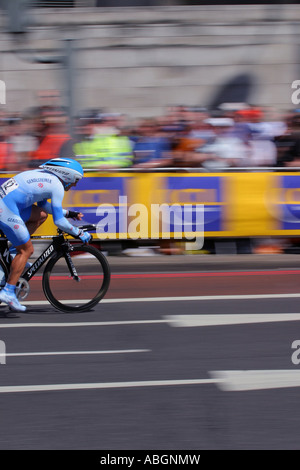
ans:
(79, 293)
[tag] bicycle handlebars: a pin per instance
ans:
(85, 228)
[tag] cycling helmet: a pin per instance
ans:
(68, 170)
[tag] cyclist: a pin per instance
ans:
(24, 207)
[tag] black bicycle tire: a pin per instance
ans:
(92, 302)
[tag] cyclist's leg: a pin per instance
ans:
(17, 233)
(18, 263)
(34, 217)
(13, 226)
(8, 293)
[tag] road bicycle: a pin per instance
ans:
(75, 278)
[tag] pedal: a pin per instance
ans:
(22, 289)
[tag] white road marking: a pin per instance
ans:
(204, 297)
(242, 380)
(228, 381)
(232, 319)
(74, 324)
(72, 353)
(173, 299)
(104, 385)
(174, 320)
(192, 298)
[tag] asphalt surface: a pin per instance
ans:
(170, 413)
(203, 262)
(144, 374)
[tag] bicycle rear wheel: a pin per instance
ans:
(69, 294)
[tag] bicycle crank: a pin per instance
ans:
(22, 289)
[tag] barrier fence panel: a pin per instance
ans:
(143, 205)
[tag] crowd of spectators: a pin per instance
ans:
(233, 136)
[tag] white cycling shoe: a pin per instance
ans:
(11, 300)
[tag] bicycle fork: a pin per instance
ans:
(71, 266)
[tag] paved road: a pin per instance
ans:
(150, 374)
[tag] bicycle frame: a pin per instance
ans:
(59, 243)
(60, 247)
(5, 260)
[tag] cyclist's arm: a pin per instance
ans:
(58, 213)
(61, 222)
(75, 215)
(48, 207)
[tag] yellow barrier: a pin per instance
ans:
(236, 204)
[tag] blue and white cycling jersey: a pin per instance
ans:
(18, 194)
